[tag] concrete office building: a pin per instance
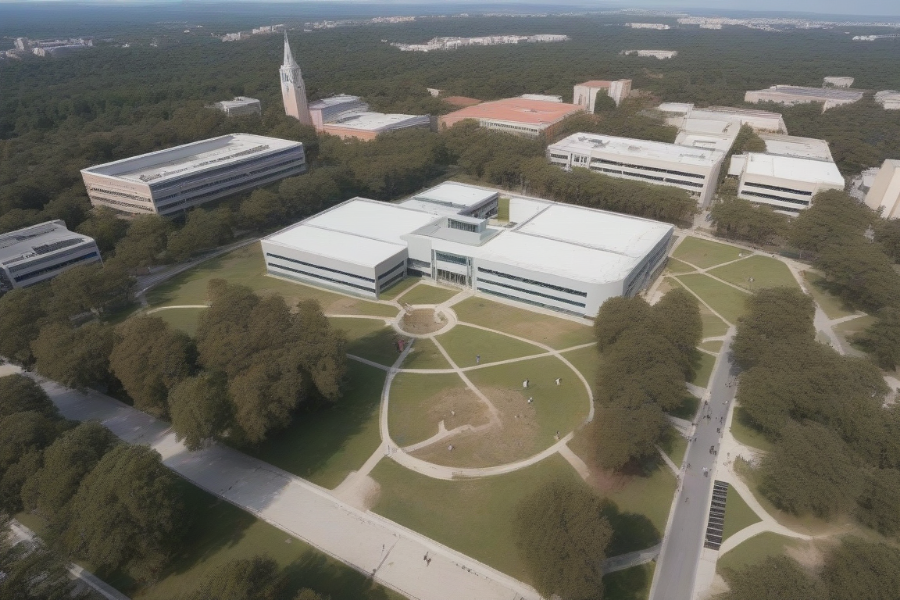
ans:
(349, 117)
(333, 108)
(680, 115)
(695, 170)
(169, 181)
(884, 194)
(562, 257)
(798, 147)
(520, 116)
(41, 252)
(585, 94)
(239, 107)
(839, 82)
(791, 95)
(889, 99)
(451, 198)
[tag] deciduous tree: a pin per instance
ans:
(76, 357)
(200, 409)
(19, 393)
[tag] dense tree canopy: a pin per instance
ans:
(19, 393)
(74, 356)
(200, 409)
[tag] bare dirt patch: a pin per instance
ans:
(422, 321)
(458, 407)
(514, 438)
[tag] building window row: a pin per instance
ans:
(322, 277)
(385, 285)
(559, 156)
(294, 152)
(533, 293)
(532, 302)
(314, 266)
(645, 168)
(778, 198)
(775, 188)
(391, 270)
(454, 224)
(119, 194)
(558, 288)
(66, 263)
(219, 181)
(451, 258)
(172, 206)
(419, 264)
(46, 259)
(132, 208)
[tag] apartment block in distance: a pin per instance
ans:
(585, 94)
(695, 170)
(169, 181)
(792, 94)
(520, 116)
(41, 252)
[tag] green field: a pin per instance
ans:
(724, 299)
(245, 266)
(674, 445)
(714, 346)
(587, 361)
(553, 331)
(738, 514)
(184, 319)
(753, 551)
(427, 294)
(848, 329)
(425, 355)
(416, 402)
(629, 584)
(707, 362)
(369, 338)
(325, 444)
(744, 432)
(650, 497)
(397, 289)
(704, 253)
(673, 265)
(766, 273)
(473, 516)
(463, 344)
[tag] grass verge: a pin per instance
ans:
(766, 273)
(673, 265)
(369, 338)
(744, 431)
(738, 514)
(715, 346)
(425, 355)
(705, 253)
(463, 344)
(428, 294)
(704, 370)
(674, 445)
(753, 551)
(722, 298)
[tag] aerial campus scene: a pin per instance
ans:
(359, 301)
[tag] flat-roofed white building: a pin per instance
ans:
(884, 194)
(679, 115)
(839, 82)
(40, 252)
(889, 99)
(330, 109)
(169, 181)
(799, 147)
(658, 54)
(585, 94)
(451, 198)
(786, 183)
(693, 169)
(240, 106)
(562, 257)
(368, 125)
(793, 94)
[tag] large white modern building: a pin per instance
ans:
(556, 256)
(884, 193)
(792, 94)
(693, 169)
(889, 99)
(41, 252)
(169, 181)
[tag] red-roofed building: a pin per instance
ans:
(530, 118)
(585, 94)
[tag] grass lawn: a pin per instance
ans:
(766, 273)
(722, 298)
(473, 516)
(707, 362)
(649, 496)
(688, 408)
(503, 209)
(738, 514)
(246, 266)
(714, 346)
(704, 253)
(463, 344)
(428, 294)
(395, 290)
(848, 329)
(753, 551)
(676, 266)
(830, 304)
(553, 331)
(185, 319)
(419, 402)
(587, 361)
(629, 584)
(425, 355)
(369, 338)
(745, 433)
(324, 445)
(713, 326)
(674, 445)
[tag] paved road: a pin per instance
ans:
(392, 554)
(677, 568)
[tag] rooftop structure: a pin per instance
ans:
(240, 106)
(330, 109)
(791, 95)
(172, 180)
(545, 97)
(41, 252)
(566, 258)
(884, 194)
(760, 120)
(520, 116)
(453, 198)
(585, 94)
(659, 54)
(839, 82)
(798, 147)
(367, 125)
(693, 169)
(889, 99)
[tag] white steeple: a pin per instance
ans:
(293, 90)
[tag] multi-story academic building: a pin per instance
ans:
(520, 116)
(169, 181)
(884, 193)
(585, 94)
(556, 256)
(41, 252)
(792, 94)
(695, 170)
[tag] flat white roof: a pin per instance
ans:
(586, 143)
(195, 157)
(238, 101)
(679, 108)
(793, 168)
(719, 142)
(374, 121)
(346, 247)
(811, 92)
(35, 240)
(333, 101)
(456, 194)
(800, 147)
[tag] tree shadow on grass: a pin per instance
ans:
(628, 584)
(631, 531)
(330, 578)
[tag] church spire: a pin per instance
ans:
(288, 55)
(293, 90)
